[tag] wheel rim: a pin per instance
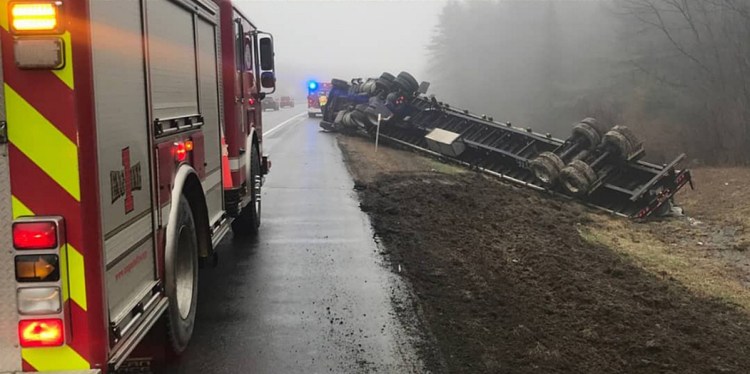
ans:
(184, 271)
(572, 188)
(543, 175)
(256, 203)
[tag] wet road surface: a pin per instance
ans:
(310, 294)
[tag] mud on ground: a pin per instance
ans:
(510, 281)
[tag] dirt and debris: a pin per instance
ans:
(512, 281)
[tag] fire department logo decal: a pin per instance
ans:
(125, 181)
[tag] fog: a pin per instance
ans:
(343, 39)
(678, 72)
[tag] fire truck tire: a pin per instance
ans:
(547, 168)
(248, 223)
(589, 134)
(618, 144)
(181, 273)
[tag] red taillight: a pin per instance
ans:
(251, 101)
(35, 235)
(180, 151)
(40, 332)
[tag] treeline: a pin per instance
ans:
(676, 71)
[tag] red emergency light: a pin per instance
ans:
(35, 235)
(40, 332)
(180, 151)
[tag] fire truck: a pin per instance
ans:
(130, 144)
(317, 97)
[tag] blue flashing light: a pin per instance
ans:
(312, 85)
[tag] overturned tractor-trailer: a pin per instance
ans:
(601, 166)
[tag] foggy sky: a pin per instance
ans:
(343, 39)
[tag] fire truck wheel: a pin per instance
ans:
(249, 220)
(547, 167)
(181, 274)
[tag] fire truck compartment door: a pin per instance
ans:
(123, 139)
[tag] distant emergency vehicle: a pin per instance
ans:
(317, 97)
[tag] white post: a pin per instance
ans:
(377, 133)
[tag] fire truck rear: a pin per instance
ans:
(130, 144)
(317, 97)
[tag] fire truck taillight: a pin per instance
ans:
(35, 17)
(35, 235)
(37, 268)
(180, 151)
(41, 332)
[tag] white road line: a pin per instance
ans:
(279, 126)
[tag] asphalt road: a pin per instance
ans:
(309, 294)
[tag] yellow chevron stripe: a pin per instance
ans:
(66, 73)
(42, 142)
(4, 14)
(77, 277)
(19, 209)
(54, 359)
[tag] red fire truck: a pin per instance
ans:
(317, 97)
(130, 144)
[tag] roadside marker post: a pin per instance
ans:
(377, 133)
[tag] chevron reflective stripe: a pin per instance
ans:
(54, 359)
(42, 142)
(44, 168)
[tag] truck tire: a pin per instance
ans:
(403, 85)
(598, 126)
(181, 279)
(618, 144)
(547, 167)
(589, 134)
(387, 76)
(409, 80)
(248, 223)
(577, 178)
(630, 135)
